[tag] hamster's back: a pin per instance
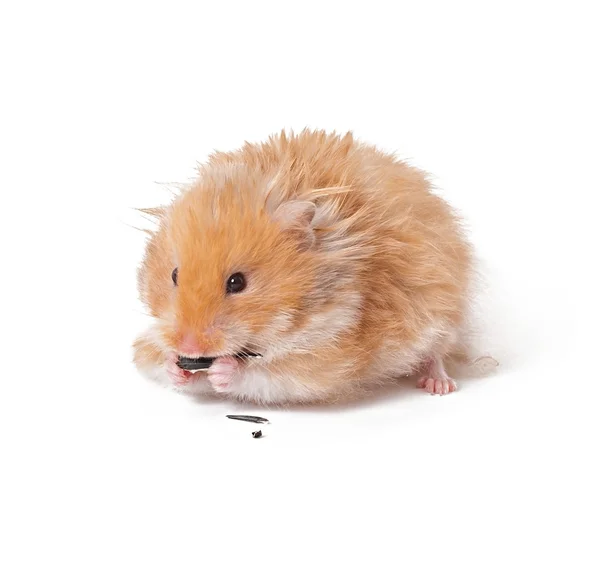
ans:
(414, 262)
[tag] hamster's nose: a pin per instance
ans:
(190, 346)
(204, 344)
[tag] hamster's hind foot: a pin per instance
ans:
(434, 379)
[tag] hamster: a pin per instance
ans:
(331, 259)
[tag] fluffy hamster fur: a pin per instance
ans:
(357, 273)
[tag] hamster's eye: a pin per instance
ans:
(236, 283)
(174, 275)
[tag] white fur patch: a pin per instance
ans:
(259, 385)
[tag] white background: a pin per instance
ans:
(100, 101)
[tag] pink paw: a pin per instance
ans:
(435, 380)
(220, 374)
(437, 386)
(177, 375)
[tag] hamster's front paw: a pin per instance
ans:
(178, 376)
(221, 372)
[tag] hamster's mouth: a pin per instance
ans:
(204, 363)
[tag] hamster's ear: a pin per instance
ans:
(295, 217)
(295, 214)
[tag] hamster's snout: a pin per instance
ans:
(190, 345)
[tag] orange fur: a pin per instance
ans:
(357, 272)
